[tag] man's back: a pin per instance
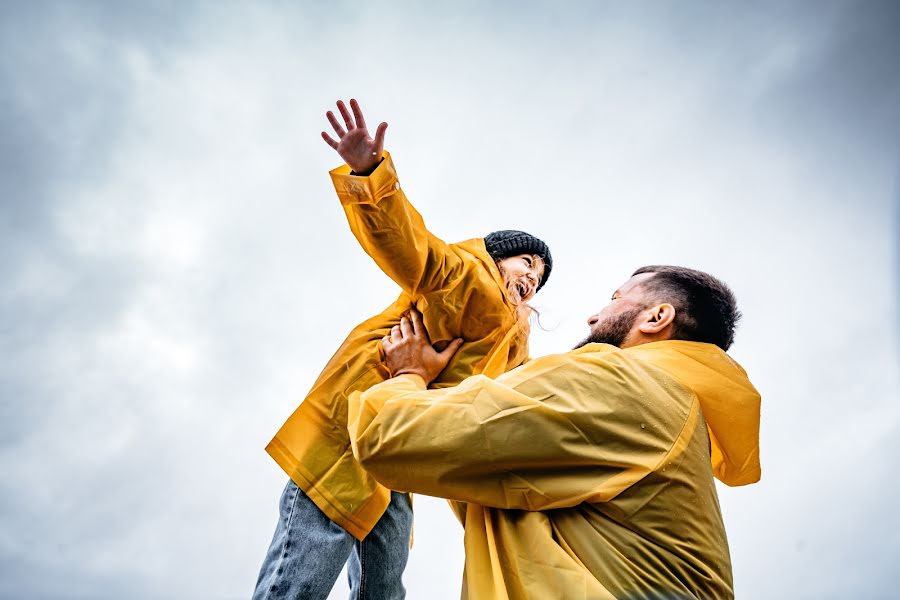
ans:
(587, 474)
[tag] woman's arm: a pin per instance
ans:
(386, 225)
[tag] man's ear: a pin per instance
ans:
(658, 319)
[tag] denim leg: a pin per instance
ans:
(376, 565)
(306, 554)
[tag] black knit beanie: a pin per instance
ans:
(509, 242)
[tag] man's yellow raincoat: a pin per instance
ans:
(580, 475)
(459, 289)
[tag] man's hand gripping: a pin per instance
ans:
(408, 350)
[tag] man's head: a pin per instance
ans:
(667, 303)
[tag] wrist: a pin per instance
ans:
(412, 378)
(365, 170)
(417, 372)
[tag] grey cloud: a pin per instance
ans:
(138, 388)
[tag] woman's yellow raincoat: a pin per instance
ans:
(580, 475)
(458, 288)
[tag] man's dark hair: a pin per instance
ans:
(705, 308)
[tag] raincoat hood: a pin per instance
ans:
(730, 404)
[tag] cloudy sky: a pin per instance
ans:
(176, 267)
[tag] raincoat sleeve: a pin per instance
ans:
(391, 231)
(556, 432)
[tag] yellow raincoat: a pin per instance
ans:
(459, 289)
(587, 474)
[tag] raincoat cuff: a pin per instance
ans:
(356, 189)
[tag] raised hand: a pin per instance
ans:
(408, 350)
(354, 145)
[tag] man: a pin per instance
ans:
(587, 474)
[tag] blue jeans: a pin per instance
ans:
(308, 551)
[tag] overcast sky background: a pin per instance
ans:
(177, 269)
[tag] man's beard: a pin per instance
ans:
(612, 330)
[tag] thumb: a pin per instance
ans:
(447, 353)
(379, 137)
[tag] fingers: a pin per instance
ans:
(418, 326)
(346, 114)
(406, 328)
(357, 113)
(379, 138)
(447, 353)
(396, 334)
(386, 342)
(329, 141)
(334, 123)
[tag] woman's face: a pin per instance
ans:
(524, 271)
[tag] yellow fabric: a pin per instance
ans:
(459, 290)
(580, 475)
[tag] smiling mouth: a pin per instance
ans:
(523, 288)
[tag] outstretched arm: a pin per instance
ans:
(386, 225)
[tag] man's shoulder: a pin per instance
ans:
(642, 366)
(667, 352)
(605, 381)
(591, 361)
(607, 352)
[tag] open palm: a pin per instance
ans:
(361, 152)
